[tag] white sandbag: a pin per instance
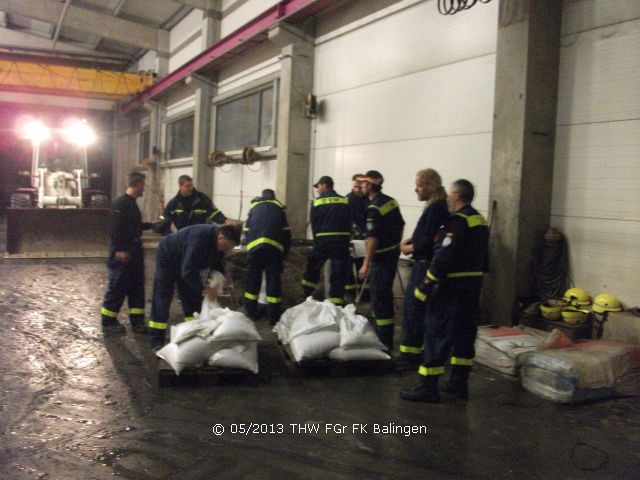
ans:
(307, 317)
(243, 356)
(190, 353)
(350, 354)
(498, 347)
(217, 282)
(589, 370)
(187, 330)
(356, 331)
(314, 345)
(235, 326)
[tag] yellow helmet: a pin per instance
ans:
(574, 316)
(605, 302)
(577, 296)
(552, 308)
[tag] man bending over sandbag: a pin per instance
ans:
(180, 258)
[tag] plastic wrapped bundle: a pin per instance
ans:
(498, 347)
(589, 370)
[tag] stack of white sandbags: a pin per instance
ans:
(224, 339)
(315, 330)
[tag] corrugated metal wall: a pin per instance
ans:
(596, 191)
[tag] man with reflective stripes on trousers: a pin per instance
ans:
(189, 207)
(268, 241)
(420, 246)
(126, 260)
(180, 259)
(331, 226)
(384, 233)
(451, 289)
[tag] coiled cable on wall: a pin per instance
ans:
(451, 7)
(552, 272)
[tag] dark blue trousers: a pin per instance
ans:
(126, 280)
(268, 260)
(413, 313)
(381, 277)
(336, 250)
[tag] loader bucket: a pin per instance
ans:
(57, 232)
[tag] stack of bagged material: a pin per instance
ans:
(499, 347)
(315, 330)
(223, 338)
(588, 370)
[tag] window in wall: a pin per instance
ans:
(180, 138)
(145, 140)
(246, 121)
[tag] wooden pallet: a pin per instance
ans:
(333, 368)
(204, 376)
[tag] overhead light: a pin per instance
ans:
(36, 131)
(80, 133)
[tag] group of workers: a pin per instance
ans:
(449, 247)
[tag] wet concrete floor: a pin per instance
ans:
(76, 405)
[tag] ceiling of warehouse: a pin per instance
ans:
(105, 34)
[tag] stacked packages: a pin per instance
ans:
(315, 330)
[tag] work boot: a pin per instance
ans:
(137, 325)
(385, 335)
(407, 361)
(426, 391)
(112, 327)
(156, 340)
(457, 385)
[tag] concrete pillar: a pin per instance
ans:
(162, 55)
(211, 20)
(293, 129)
(202, 171)
(153, 196)
(526, 91)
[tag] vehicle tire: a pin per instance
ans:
(99, 201)
(21, 200)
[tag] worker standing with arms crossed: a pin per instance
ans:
(420, 246)
(451, 289)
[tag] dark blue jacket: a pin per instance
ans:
(432, 218)
(193, 210)
(193, 249)
(358, 207)
(385, 222)
(330, 216)
(267, 226)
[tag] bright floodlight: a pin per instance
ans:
(36, 131)
(80, 133)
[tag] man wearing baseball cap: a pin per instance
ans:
(331, 226)
(384, 233)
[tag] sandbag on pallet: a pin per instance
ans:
(588, 370)
(498, 347)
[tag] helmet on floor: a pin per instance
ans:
(605, 302)
(552, 308)
(576, 296)
(573, 315)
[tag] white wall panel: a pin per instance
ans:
(600, 75)
(583, 15)
(597, 171)
(596, 189)
(234, 182)
(231, 79)
(184, 40)
(604, 256)
(237, 17)
(412, 40)
(450, 100)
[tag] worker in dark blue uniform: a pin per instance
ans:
(420, 246)
(126, 260)
(451, 289)
(384, 234)
(189, 207)
(331, 227)
(358, 203)
(181, 258)
(268, 238)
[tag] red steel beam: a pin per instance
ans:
(294, 9)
